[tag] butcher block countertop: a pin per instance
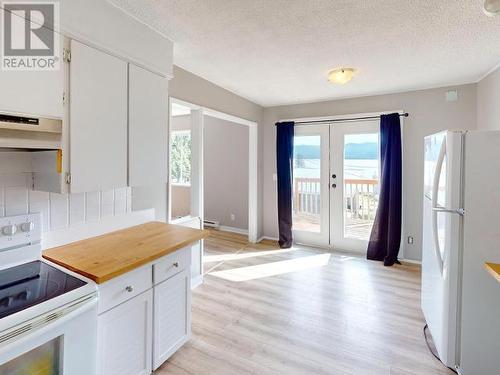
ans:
(113, 254)
(493, 269)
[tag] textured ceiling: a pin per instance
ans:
(279, 51)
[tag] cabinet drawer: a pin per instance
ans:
(171, 264)
(124, 287)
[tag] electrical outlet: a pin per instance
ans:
(410, 240)
(233, 218)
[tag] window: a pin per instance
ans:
(181, 157)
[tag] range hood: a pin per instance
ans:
(18, 131)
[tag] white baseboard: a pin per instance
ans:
(225, 228)
(267, 238)
(196, 281)
(412, 261)
(87, 230)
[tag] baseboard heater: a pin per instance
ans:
(211, 224)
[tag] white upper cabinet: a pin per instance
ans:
(98, 120)
(38, 93)
(148, 111)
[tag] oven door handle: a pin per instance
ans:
(49, 320)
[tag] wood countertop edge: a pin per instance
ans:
(493, 269)
(100, 279)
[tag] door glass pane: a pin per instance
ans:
(307, 183)
(361, 184)
(43, 360)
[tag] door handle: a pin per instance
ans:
(334, 186)
(459, 211)
(334, 176)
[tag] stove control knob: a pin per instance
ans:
(9, 230)
(27, 227)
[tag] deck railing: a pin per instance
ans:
(361, 197)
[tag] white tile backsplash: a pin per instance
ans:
(59, 211)
(76, 208)
(107, 203)
(16, 201)
(39, 201)
(120, 201)
(92, 206)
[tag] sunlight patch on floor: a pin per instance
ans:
(238, 256)
(272, 269)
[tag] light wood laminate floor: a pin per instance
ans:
(263, 310)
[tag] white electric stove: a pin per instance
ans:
(48, 315)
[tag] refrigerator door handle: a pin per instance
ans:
(458, 211)
(434, 205)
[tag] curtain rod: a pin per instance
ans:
(345, 119)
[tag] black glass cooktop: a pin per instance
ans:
(32, 283)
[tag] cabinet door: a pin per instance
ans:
(32, 92)
(98, 120)
(125, 338)
(148, 108)
(172, 316)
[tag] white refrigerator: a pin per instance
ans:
(461, 231)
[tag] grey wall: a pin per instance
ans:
(488, 102)
(429, 113)
(194, 89)
(225, 167)
(181, 201)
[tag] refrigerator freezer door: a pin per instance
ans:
(480, 332)
(441, 240)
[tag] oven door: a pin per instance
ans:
(61, 342)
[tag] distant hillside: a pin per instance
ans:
(367, 150)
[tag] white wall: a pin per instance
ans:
(488, 102)
(429, 113)
(225, 168)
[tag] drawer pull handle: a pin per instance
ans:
(176, 264)
(129, 289)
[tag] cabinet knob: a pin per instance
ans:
(129, 289)
(176, 264)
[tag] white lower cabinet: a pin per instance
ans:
(172, 316)
(144, 316)
(125, 337)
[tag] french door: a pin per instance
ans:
(336, 184)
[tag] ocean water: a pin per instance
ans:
(353, 169)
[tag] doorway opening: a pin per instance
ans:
(186, 198)
(180, 162)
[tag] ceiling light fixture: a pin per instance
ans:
(341, 75)
(492, 7)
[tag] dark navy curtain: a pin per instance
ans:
(385, 237)
(284, 167)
